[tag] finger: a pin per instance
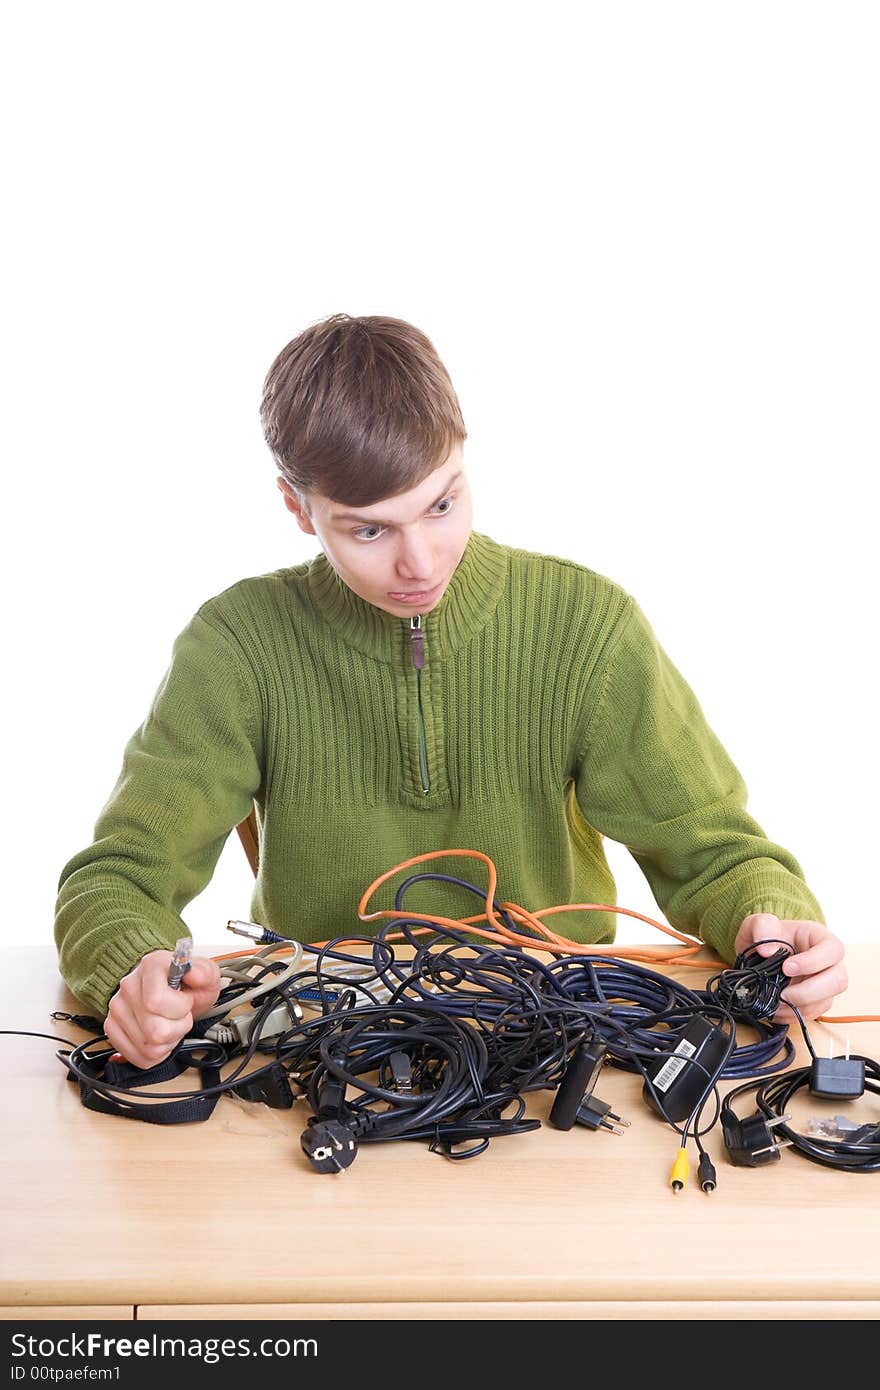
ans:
(805, 932)
(119, 1037)
(204, 971)
(162, 1034)
(819, 1009)
(824, 954)
(198, 990)
(126, 1045)
(768, 948)
(762, 930)
(203, 986)
(203, 976)
(120, 1014)
(143, 1051)
(140, 1015)
(145, 991)
(827, 983)
(159, 1000)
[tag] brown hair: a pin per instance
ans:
(359, 409)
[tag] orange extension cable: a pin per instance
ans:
(554, 943)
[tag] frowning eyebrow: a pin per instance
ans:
(376, 521)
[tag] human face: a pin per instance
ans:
(400, 554)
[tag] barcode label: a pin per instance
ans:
(673, 1065)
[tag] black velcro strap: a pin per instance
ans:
(186, 1110)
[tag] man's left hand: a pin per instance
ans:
(817, 968)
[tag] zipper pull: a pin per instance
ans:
(418, 642)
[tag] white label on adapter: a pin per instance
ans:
(673, 1065)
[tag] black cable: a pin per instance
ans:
(752, 987)
(647, 998)
(773, 1098)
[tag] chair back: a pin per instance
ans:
(247, 833)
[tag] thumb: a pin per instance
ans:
(762, 926)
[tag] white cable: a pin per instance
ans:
(272, 982)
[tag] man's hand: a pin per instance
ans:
(147, 1018)
(817, 970)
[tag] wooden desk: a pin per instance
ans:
(226, 1219)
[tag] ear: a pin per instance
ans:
(293, 504)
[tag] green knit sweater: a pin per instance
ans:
(545, 716)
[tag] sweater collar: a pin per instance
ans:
(468, 603)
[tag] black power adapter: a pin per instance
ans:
(575, 1102)
(837, 1078)
(678, 1079)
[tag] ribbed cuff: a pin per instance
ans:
(116, 951)
(787, 900)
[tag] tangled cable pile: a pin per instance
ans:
(433, 1037)
(435, 1029)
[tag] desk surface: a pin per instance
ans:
(226, 1217)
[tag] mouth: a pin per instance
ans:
(415, 596)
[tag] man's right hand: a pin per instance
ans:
(147, 1018)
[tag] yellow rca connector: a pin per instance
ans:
(679, 1173)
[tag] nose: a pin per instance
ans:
(414, 561)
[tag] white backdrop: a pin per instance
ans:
(643, 239)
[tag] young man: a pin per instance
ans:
(416, 686)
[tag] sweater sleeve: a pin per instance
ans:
(189, 775)
(653, 776)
